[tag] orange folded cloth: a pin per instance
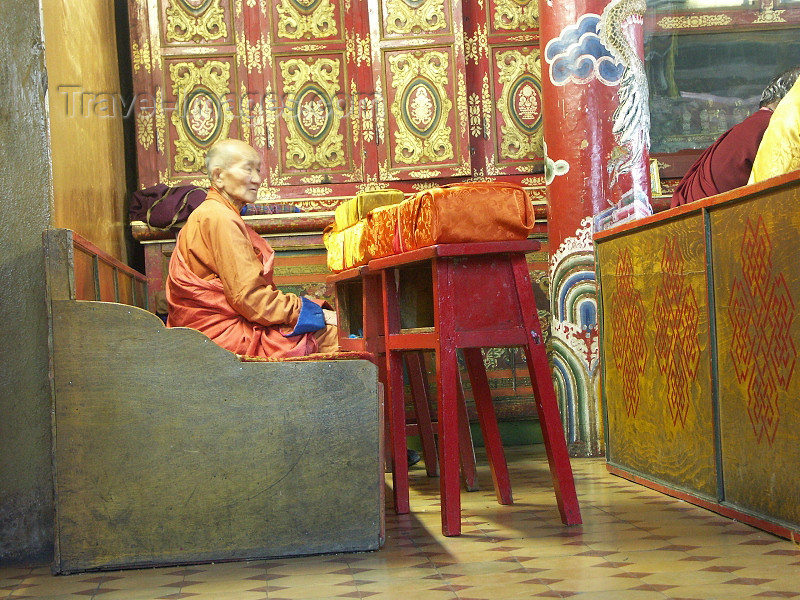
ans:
(464, 212)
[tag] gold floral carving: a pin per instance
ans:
(245, 119)
(161, 121)
(433, 67)
(275, 177)
(770, 15)
(463, 169)
(371, 184)
(517, 144)
(516, 15)
(694, 21)
(318, 191)
(353, 111)
(213, 76)
(267, 193)
(488, 107)
(141, 57)
(300, 152)
(525, 37)
(145, 123)
(386, 173)
(357, 49)
(475, 120)
(253, 56)
(425, 174)
(380, 110)
(402, 18)
(426, 185)
(492, 168)
(367, 117)
(477, 46)
(461, 101)
(309, 47)
(294, 24)
(183, 26)
(259, 126)
(270, 115)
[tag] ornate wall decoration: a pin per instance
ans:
(358, 49)
(520, 104)
(627, 334)
(310, 19)
(761, 311)
(145, 124)
(195, 21)
(201, 116)
(245, 118)
(475, 116)
(403, 17)
(476, 46)
(314, 140)
(421, 106)
(254, 56)
(575, 350)
(770, 15)
(694, 21)
(161, 121)
(259, 125)
(368, 118)
(488, 107)
(141, 57)
(676, 348)
(515, 15)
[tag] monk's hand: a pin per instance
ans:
(330, 316)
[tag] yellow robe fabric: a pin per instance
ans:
(779, 151)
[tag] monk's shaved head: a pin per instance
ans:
(226, 152)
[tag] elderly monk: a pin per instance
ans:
(779, 152)
(220, 274)
(726, 164)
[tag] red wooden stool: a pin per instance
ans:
(467, 296)
(361, 329)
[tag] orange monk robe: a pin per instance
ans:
(220, 283)
(779, 151)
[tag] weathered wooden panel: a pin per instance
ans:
(757, 292)
(167, 449)
(657, 359)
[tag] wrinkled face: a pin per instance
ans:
(240, 181)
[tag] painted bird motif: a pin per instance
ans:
(631, 122)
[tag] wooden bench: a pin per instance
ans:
(168, 449)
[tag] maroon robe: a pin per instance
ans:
(726, 164)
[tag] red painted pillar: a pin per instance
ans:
(596, 131)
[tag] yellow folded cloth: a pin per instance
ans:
(357, 208)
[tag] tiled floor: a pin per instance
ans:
(634, 544)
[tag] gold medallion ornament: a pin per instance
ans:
(421, 107)
(306, 19)
(694, 21)
(516, 15)
(202, 115)
(311, 116)
(195, 21)
(520, 104)
(404, 17)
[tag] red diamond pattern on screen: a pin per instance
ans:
(676, 316)
(627, 332)
(761, 311)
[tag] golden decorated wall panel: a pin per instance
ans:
(757, 291)
(505, 103)
(420, 89)
(656, 354)
(192, 22)
(338, 96)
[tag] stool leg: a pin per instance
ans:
(546, 403)
(466, 448)
(488, 421)
(449, 485)
(420, 393)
